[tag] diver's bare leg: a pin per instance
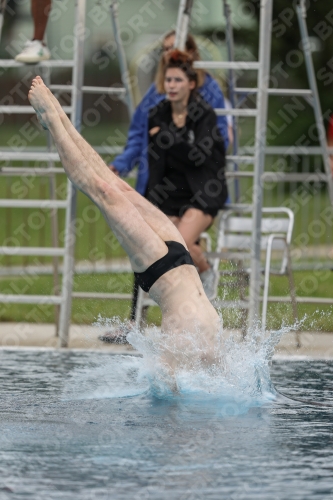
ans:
(154, 217)
(87, 151)
(138, 239)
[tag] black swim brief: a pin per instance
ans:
(177, 256)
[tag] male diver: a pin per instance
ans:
(156, 250)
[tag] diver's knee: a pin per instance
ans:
(106, 190)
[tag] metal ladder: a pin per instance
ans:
(262, 66)
(126, 94)
(311, 95)
(64, 299)
(50, 157)
(260, 114)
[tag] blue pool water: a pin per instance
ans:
(87, 426)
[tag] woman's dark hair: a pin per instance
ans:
(191, 48)
(183, 61)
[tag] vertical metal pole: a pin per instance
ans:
(68, 266)
(301, 14)
(121, 58)
(46, 73)
(183, 21)
(260, 145)
(55, 244)
(232, 85)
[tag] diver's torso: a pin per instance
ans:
(184, 304)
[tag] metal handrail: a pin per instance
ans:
(271, 238)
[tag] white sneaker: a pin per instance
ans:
(33, 52)
(210, 281)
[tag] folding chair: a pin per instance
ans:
(234, 244)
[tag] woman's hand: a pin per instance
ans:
(113, 169)
(154, 131)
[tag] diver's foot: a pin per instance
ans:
(41, 102)
(54, 100)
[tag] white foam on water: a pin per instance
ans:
(107, 377)
(239, 373)
(238, 378)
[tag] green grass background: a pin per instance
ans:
(84, 311)
(95, 241)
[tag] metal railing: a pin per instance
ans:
(76, 89)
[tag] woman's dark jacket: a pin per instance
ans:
(197, 150)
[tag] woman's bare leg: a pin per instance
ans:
(190, 226)
(154, 218)
(139, 240)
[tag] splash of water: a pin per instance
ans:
(240, 371)
(106, 377)
(238, 378)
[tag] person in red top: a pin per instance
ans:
(330, 138)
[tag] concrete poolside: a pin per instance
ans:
(318, 345)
